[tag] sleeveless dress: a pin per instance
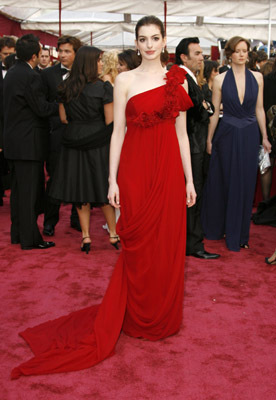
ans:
(229, 190)
(81, 174)
(145, 294)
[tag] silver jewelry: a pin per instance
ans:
(163, 50)
(138, 52)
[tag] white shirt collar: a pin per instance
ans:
(63, 66)
(29, 64)
(189, 72)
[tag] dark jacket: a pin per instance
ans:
(197, 118)
(51, 79)
(26, 134)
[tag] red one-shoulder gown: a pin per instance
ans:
(145, 294)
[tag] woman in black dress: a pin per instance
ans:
(81, 176)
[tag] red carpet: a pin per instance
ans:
(226, 349)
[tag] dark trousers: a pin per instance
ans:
(195, 235)
(51, 215)
(27, 186)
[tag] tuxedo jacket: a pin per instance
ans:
(26, 135)
(197, 118)
(51, 79)
(1, 106)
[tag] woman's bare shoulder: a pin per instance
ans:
(258, 76)
(124, 78)
(218, 81)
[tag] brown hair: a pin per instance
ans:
(152, 20)
(232, 44)
(267, 67)
(84, 70)
(75, 42)
(7, 41)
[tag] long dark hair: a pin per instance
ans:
(152, 20)
(84, 70)
(130, 58)
(209, 66)
(273, 72)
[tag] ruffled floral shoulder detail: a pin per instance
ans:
(176, 99)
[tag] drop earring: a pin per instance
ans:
(138, 52)
(163, 49)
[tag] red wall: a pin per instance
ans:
(9, 27)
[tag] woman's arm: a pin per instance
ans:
(62, 113)
(260, 114)
(117, 138)
(184, 145)
(108, 113)
(216, 100)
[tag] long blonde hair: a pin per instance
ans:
(110, 62)
(200, 76)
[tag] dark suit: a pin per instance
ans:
(51, 79)
(26, 141)
(3, 162)
(197, 129)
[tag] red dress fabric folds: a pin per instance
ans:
(145, 294)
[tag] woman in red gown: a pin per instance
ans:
(150, 163)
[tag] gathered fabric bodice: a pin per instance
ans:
(162, 103)
(234, 112)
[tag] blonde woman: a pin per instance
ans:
(110, 62)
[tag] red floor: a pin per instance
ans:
(226, 349)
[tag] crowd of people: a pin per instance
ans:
(65, 120)
(175, 151)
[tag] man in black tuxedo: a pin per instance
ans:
(7, 47)
(51, 78)
(44, 60)
(25, 142)
(189, 56)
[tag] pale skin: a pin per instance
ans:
(149, 75)
(107, 209)
(239, 58)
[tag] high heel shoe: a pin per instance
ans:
(273, 261)
(244, 246)
(85, 246)
(114, 244)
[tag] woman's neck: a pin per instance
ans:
(151, 66)
(238, 69)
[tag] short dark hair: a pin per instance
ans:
(209, 66)
(75, 42)
(27, 46)
(46, 49)
(7, 41)
(262, 56)
(183, 48)
(130, 58)
(232, 44)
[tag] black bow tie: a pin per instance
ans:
(64, 71)
(4, 68)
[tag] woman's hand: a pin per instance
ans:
(190, 194)
(113, 195)
(266, 145)
(209, 147)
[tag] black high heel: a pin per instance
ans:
(85, 246)
(272, 262)
(115, 244)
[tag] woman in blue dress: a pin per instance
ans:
(230, 186)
